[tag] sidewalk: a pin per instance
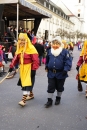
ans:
(71, 114)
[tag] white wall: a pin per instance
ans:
(52, 25)
(77, 22)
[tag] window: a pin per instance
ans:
(67, 18)
(49, 6)
(79, 1)
(56, 11)
(63, 15)
(78, 15)
(53, 9)
(44, 4)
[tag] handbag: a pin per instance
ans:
(10, 55)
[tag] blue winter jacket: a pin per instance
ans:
(62, 62)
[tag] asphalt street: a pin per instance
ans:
(71, 114)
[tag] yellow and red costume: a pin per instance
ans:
(82, 63)
(27, 58)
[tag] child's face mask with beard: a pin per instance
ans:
(56, 48)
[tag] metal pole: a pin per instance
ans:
(26, 23)
(17, 19)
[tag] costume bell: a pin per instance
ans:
(27, 58)
(58, 63)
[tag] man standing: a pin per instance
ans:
(40, 49)
(58, 63)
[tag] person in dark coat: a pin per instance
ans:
(58, 63)
(40, 49)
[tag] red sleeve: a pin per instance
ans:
(35, 62)
(14, 61)
(80, 61)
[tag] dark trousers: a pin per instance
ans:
(40, 59)
(55, 84)
(33, 81)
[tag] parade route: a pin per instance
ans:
(71, 114)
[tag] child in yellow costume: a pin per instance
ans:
(82, 65)
(27, 58)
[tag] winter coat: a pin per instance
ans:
(60, 63)
(28, 58)
(39, 48)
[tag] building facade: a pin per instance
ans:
(63, 21)
(59, 24)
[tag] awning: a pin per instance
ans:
(26, 10)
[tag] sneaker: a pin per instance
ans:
(22, 103)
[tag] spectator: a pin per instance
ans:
(40, 49)
(1, 59)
